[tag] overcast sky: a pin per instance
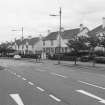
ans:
(33, 15)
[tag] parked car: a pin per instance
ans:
(85, 58)
(100, 59)
(17, 57)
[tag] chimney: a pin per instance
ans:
(49, 32)
(103, 20)
(81, 27)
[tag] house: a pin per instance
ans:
(83, 31)
(35, 45)
(99, 31)
(51, 41)
(28, 45)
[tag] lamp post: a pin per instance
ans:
(59, 40)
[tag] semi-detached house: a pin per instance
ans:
(51, 41)
(28, 46)
(99, 31)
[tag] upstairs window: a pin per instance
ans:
(52, 43)
(43, 43)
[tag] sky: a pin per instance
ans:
(34, 16)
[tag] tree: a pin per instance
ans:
(93, 42)
(5, 50)
(77, 44)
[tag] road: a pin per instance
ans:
(49, 84)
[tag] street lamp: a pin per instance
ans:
(22, 37)
(59, 40)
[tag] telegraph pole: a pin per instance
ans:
(59, 34)
(59, 45)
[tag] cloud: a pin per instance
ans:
(34, 15)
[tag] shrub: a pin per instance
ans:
(100, 59)
(100, 53)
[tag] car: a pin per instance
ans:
(85, 58)
(17, 57)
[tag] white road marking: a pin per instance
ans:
(17, 99)
(58, 75)
(41, 70)
(101, 100)
(11, 72)
(55, 98)
(14, 73)
(31, 83)
(19, 76)
(40, 89)
(24, 78)
(91, 85)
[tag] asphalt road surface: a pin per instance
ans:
(30, 83)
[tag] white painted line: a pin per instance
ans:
(40, 89)
(11, 72)
(14, 73)
(31, 83)
(19, 76)
(91, 85)
(17, 99)
(101, 100)
(55, 98)
(58, 75)
(24, 79)
(41, 70)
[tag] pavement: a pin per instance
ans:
(50, 84)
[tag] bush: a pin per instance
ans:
(100, 53)
(100, 59)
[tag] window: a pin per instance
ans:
(52, 43)
(43, 43)
(44, 49)
(65, 49)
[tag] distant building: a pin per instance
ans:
(28, 46)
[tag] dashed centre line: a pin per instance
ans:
(40, 89)
(14, 73)
(24, 78)
(19, 76)
(41, 70)
(31, 83)
(58, 75)
(55, 98)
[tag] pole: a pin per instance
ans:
(15, 43)
(60, 12)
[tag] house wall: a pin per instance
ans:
(38, 47)
(83, 33)
(51, 49)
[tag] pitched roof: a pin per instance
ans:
(67, 34)
(96, 30)
(51, 36)
(31, 41)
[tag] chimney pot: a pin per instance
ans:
(81, 27)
